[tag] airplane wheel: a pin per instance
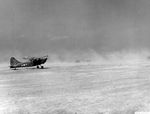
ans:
(37, 66)
(42, 67)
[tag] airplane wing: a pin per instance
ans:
(34, 58)
(26, 58)
(30, 58)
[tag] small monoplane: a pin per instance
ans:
(31, 62)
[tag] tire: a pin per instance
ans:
(37, 67)
(42, 67)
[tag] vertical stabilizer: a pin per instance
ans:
(13, 61)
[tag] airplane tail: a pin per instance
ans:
(13, 61)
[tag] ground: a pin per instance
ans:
(89, 88)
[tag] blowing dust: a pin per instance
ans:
(91, 83)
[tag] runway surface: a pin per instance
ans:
(76, 89)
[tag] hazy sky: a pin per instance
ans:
(32, 26)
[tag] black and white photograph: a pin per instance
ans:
(74, 56)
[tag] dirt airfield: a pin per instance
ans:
(77, 88)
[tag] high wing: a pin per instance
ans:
(29, 58)
(34, 58)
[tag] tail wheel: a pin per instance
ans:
(42, 67)
(37, 66)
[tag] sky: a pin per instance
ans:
(35, 26)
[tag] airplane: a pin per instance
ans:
(32, 61)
